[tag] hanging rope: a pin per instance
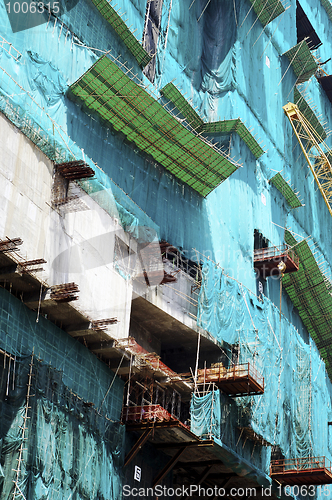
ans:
(204, 10)
(128, 389)
(111, 384)
(39, 303)
(274, 334)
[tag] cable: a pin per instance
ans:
(112, 382)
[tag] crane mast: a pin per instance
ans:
(319, 160)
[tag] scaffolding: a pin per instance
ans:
(237, 126)
(222, 127)
(302, 61)
(309, 291)
(309, 114)
(172, 93)
(298, 471)
(73, 170)
(115, 20)
(107, 90)
(10, 244)
(267, 10)
(150, 361)
(267, 260)
(148, 400)
(285, 189)
(328, 7)
(236, 380)
(66, 292)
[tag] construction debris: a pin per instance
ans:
(73, 170)
(66, 292)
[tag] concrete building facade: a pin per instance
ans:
(165, 249)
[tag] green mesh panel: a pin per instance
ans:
(106, 90)
(267, 10)
(279, 182)
(220, 127)
(174, 95)
(308, 289)
(302, 61)
(309, 114)
(107, 11)
(328, 7)
(228, 126)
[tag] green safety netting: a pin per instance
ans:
(108, 91)
(229, 126)
(174, 95)
(310, 292)
(293, 411)
(38, 126)
(283, 186)
(309, 114)
(328, 7)
(267, 10)
(53, 444)
(302, 61)
(131, 42)
(219, 127)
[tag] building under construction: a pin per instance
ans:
(165, 249)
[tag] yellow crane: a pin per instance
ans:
(317, 154)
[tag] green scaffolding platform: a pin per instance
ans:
(308, 113)
(309, 291)
(120, 27)
(328, 7)
(302, 61)
(217, 128)
(267, 10)
(282, 185)
(106, 90)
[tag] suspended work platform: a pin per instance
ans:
(298, 471)
(236, 380)
(266, 260)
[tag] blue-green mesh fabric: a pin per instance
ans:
(293, 412)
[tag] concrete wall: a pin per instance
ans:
(77, 245)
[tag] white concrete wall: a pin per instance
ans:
(176, 299)
(78, 246)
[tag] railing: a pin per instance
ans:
(273, 252)
(288, 465)
(148, 413)
(179, 262)
(7, 46)
(234, 372)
